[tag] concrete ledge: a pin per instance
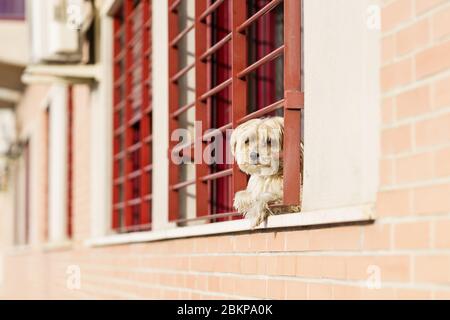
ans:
(58, 246)
(303, 219)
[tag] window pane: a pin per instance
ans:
(265, 85)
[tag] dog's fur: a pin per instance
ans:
(257, 146)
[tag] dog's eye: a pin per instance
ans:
(247, 141)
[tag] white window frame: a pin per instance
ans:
(57, 105)
(55, 101)
(325, 209)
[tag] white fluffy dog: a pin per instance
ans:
(257, 146)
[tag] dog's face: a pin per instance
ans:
(257, 146)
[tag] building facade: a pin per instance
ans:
(93, 204)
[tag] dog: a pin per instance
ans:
(257, 146)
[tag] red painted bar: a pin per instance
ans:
(262, 112)
(271, 56)
(267, 8)
(217, 175)
(217, 132)
(181, 35)
(201, 107)
(70, 160)
(183, 148)
(183, 184)
(293, 97)
(215, 90)
(128, 219)
(213, 49)
(118, 128)
(182, 110)
(173, 5)
(182, 72)
(173, 108)
(211, 8)
(239, 86)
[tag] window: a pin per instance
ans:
(259, 59)
(181, 110)
(47, 173)
(12, 9)
(70, 159)
(259, 46)
(243, 70)
(132, 123)
(59, 134)
(22, 205)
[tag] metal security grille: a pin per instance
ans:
(132, 172)
(247, 65)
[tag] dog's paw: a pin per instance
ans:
(243, 202)
(261, 211)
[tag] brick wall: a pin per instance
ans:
(408, 244)
(415, 80)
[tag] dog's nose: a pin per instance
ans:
(254, 156)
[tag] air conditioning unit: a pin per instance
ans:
(56, 30)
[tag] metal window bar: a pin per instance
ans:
(177, 73)
(212, 54)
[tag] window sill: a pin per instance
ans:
(57, 246)
(21, 249)
(315, 218)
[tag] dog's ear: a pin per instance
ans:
(276, 126)
(238, 132)
(279, 123)
(233, 140)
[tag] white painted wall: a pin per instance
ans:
(58, 164)
(160, 83)
(2, 275)
(14, 42)
(186, 93)
(101, 134)
(341, 104)
(7, 211)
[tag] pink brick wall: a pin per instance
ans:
(409, 242)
